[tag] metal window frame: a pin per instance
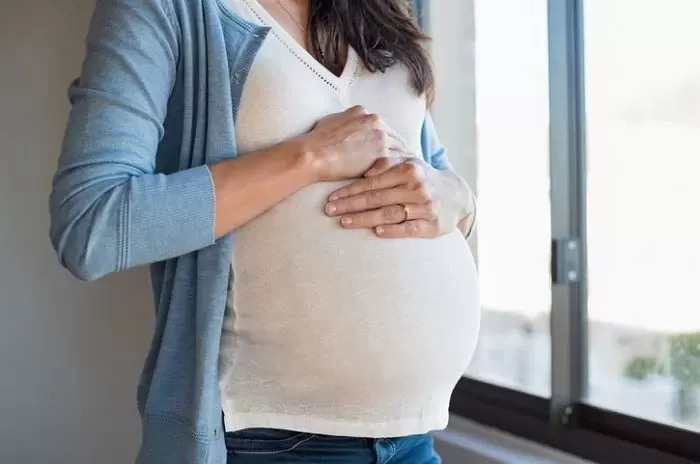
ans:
(563, 420)
(599, 435)
(568, 324)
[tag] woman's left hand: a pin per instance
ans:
(404, 197)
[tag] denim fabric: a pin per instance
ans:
(270, 446)
(154, 105)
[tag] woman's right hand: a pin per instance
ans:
(345, 145)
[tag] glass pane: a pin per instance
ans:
(643, 116)
(492, 112)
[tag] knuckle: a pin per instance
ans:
(372, 184)
(373, 120)
(392, 213)
(413, 228)
(358, 109)
(431, 209)
(374, 199)
(423, 194)
(378, 135)
(412, 170)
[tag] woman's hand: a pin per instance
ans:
(345, 145)
(403, 198)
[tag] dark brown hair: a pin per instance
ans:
(382, 32)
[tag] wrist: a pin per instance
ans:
(306, 159)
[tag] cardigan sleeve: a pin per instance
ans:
(109, 210)
(434, 152)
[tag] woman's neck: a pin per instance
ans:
(293, 15)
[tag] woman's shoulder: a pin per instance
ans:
(205, 13)
(194, 25)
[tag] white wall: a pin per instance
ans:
(70, 352)
(451, 26)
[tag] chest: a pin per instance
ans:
(287, 90)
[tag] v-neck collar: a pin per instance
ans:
(280, 32)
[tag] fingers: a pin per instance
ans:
(418, 228)
(383, 164)
(391, 142)
(374, 121)
(357, 110)
(374, 199)
(389, 179)
(393, 214)
(389, 173)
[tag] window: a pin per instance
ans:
(492, 113)
(578, 122)
(643, 149)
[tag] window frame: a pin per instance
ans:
(564, 421)
(592, 433)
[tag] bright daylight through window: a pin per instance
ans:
(643, 149)
(492, 112)
(642, 137)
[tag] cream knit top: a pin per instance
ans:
(328, 330)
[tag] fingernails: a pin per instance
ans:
(330, 209)
(346, 221)
(380, 230)
(333, 197)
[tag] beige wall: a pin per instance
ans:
(70, 352)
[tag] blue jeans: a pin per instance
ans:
(270, 446)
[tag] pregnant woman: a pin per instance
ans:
(275, 164)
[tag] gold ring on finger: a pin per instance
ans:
(405, 212)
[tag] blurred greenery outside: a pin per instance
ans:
(681, 362)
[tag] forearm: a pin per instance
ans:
(254, 182)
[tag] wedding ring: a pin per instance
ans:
(405, 212)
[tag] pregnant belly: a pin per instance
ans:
(342, 309)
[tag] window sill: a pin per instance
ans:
(466, 441)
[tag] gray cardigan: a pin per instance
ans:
(155, 104)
